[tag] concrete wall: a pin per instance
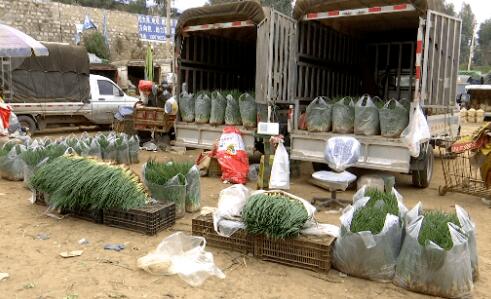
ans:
(55, 22)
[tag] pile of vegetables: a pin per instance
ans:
(75, 182)
(372, 216)
(276, 216)
(435, 229)
(11, 165)
(178, 182)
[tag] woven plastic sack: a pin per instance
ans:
(248, 111)
(11, 165)
(433, 270)
(343, 116)
(218, 106)
(394, 118)
(134, 149)
(366, 117)
(202, 108)
(364, 254)
(182, 255)
(186, 105)
(319, 115)
(193, 186)
(232, 112)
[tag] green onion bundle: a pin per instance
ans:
(83, 183)
(435, 228)
(275, 216)
(372, 216)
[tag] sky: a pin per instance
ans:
(481, 8)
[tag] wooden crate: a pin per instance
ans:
(152, 119)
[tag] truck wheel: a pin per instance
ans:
(422, 177)
(27, 122)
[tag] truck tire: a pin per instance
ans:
(422, 177)
(27, 122)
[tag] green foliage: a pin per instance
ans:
(275, 216)
(484, 45)
(94, 43)
(33, 156)
(6, 148)
(468, 26)
(83, 183)
(159, 173)
(372, 216)
(435, 228)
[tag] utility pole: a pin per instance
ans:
(167, 31)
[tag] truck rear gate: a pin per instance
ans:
(231, 46)
(395, 49)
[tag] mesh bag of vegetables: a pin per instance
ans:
(11, 164)
(319, 115)
(366, 117)
(371, 236)
(276, 215)
(435, 258)
(186, 106)
(248, 113)
(394, 118)
(343, 116)
(193, 190)
(218, 106)
(232, 111)
(122, 150)
(202, 108)
(134, 149)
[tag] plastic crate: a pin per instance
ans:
(148, 220)
(311, 253)
(240, 241)
(95, 216)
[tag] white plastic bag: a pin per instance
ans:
(280, 171)
(342, 152)
(182, 255)
(231, 201)
(417, 132)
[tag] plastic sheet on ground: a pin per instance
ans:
(367, 255)
(433, 270)
(319, 115)
(366, 117)
(182, 255)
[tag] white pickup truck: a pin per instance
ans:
(105, 99)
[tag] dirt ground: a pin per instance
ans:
(37, 271)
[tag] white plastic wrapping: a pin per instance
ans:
(470, 230)
(417, 132)
(342, 152)
(231, 201)
(182, 255)
(433, 270)
(280, 170)
(341, 179)
(11, 165)
(364, 254)
(403, 211)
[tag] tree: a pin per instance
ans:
(468, 27)
(484, 44)
(94, 43)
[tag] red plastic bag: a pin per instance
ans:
(145, 85)
(232, 156)
(5, 112)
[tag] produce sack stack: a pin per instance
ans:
(11, 164)
(232, 112)
(371, 235)
(343, 116)
(218, 106)
(366, 117)
(202, 108)
(394, 118)
(438, 254)
(75, 183)
(319, 115)
(248, 111)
